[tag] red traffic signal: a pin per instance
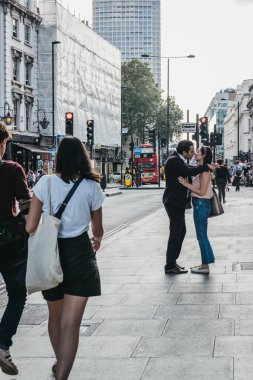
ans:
(69, 116)
(69, 119)
(203, 120)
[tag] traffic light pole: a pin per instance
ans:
(197, 130)
(159, 158)
(214, 145)
(132, 159)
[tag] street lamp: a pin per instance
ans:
(53, 124)
(168, 89)
(7, 118)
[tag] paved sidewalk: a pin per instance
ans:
(147, 325)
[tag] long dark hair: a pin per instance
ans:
(207, 152)
(72, 161)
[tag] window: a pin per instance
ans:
(27, 34)
(28, 71)
(15, 27)
(15, 68)
(27, 115)
(15, 111)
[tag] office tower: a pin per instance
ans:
(132, 26)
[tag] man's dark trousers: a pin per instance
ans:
(177, 234)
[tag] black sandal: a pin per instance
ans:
(54, 368)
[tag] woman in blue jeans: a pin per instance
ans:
(201, 191)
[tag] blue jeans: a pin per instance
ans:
(201, 212)
(14, 279)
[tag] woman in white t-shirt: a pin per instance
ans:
(201, 192)
(81, 279)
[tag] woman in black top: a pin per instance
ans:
(222, 178)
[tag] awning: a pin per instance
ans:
(33, 148)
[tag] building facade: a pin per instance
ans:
(19, 24)
(216, 113)
(134, 27)
(238, 126)
(87, 80)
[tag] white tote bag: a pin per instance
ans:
(43, 264)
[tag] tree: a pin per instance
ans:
(175, 117)
(141, 98)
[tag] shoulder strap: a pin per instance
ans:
(67, 199)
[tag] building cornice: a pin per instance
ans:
(24, 11)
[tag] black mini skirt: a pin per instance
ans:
(80, 271)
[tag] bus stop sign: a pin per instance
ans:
(137, 150)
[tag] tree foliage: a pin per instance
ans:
(175, 118)
(142, 103)
(141, 97)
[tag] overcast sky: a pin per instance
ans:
(218, 32)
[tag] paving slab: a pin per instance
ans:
(175, 346)
(206, 299)
(126, 312)
(236, 311)
(199, 327)
(229, 346)
(243, 327)
(174, 368)
(147, 299)
(151, 328)
(243, 368)
(188, 311)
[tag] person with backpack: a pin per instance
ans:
(237, 174)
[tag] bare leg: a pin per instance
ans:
(72, 313)
(54, 320)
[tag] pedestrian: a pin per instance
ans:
(246, 169)
(12, 264)
(201, 190)
(30, 179)
(66, 302)
(175, 200)
(237, 174)
(222, 178)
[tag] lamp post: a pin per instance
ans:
(7, 118)
(168, 89)
(53, 102)
(238, 129)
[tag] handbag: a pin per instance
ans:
(13, 242)
(43, 264)
(216, 206)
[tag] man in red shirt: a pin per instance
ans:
(13, 187)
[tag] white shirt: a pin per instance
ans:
(76, 216)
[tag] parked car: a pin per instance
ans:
(115, 177)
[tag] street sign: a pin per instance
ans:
(137, 155)
(137, 150)
(124, 130)
(188, 127)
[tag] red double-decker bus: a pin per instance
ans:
(148, 162)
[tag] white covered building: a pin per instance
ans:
(87, 79)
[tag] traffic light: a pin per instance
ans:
(218, 138)
(151, 136)
(131, 145)
(203, 129)
(215, 139)
(212, 139)
(125, 154)
(163, 142)
(90, 132)
(69, 121)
